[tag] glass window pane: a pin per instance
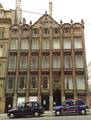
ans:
(23, 61)
(67, 61)
(11, 81)
(80, 82)
(45, 61)
(22, 81)
(12, 62)
(35, 43)
(68, 82)
(56, 61)
(56, 43)
(45, 43)
(24, 44)
(14, 43)
(34, 61)
(45, 81)
(78, 43)
(34, 80)
(67, 43)
(79, 61)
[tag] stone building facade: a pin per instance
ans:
(46, 62)
(5, 23)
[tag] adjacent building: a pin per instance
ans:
(5, 23)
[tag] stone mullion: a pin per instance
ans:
(62, 66)
(51, 82)
(17, 75)
(28, 72)
(73, 63)
(40, 65)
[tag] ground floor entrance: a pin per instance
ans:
(9, 103)
(45, 101)
(56, 97)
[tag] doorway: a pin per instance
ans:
(45, 101)
(9, 103)
(56, 97)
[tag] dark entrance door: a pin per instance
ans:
(45, 101)
(56, 97)
(9, 103)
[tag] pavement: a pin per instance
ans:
(48, 113)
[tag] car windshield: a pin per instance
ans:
(21, 106)
(69, 103)
(79, 102)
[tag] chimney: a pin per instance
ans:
(50, 9)
(18, 12)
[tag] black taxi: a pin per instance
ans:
(26, 109)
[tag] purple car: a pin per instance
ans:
(77, 106)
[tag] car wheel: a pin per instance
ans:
(83, 112)
(36, 114)
(11, 115)
(57, 113)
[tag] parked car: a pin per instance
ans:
(26, 109)
(71, 106)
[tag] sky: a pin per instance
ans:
(64, 10)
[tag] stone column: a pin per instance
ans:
(15, 100)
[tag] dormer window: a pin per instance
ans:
(56, 30)
(46, 31)
(66, 30)
(35, 31)
(25, 31)
(15, 32)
